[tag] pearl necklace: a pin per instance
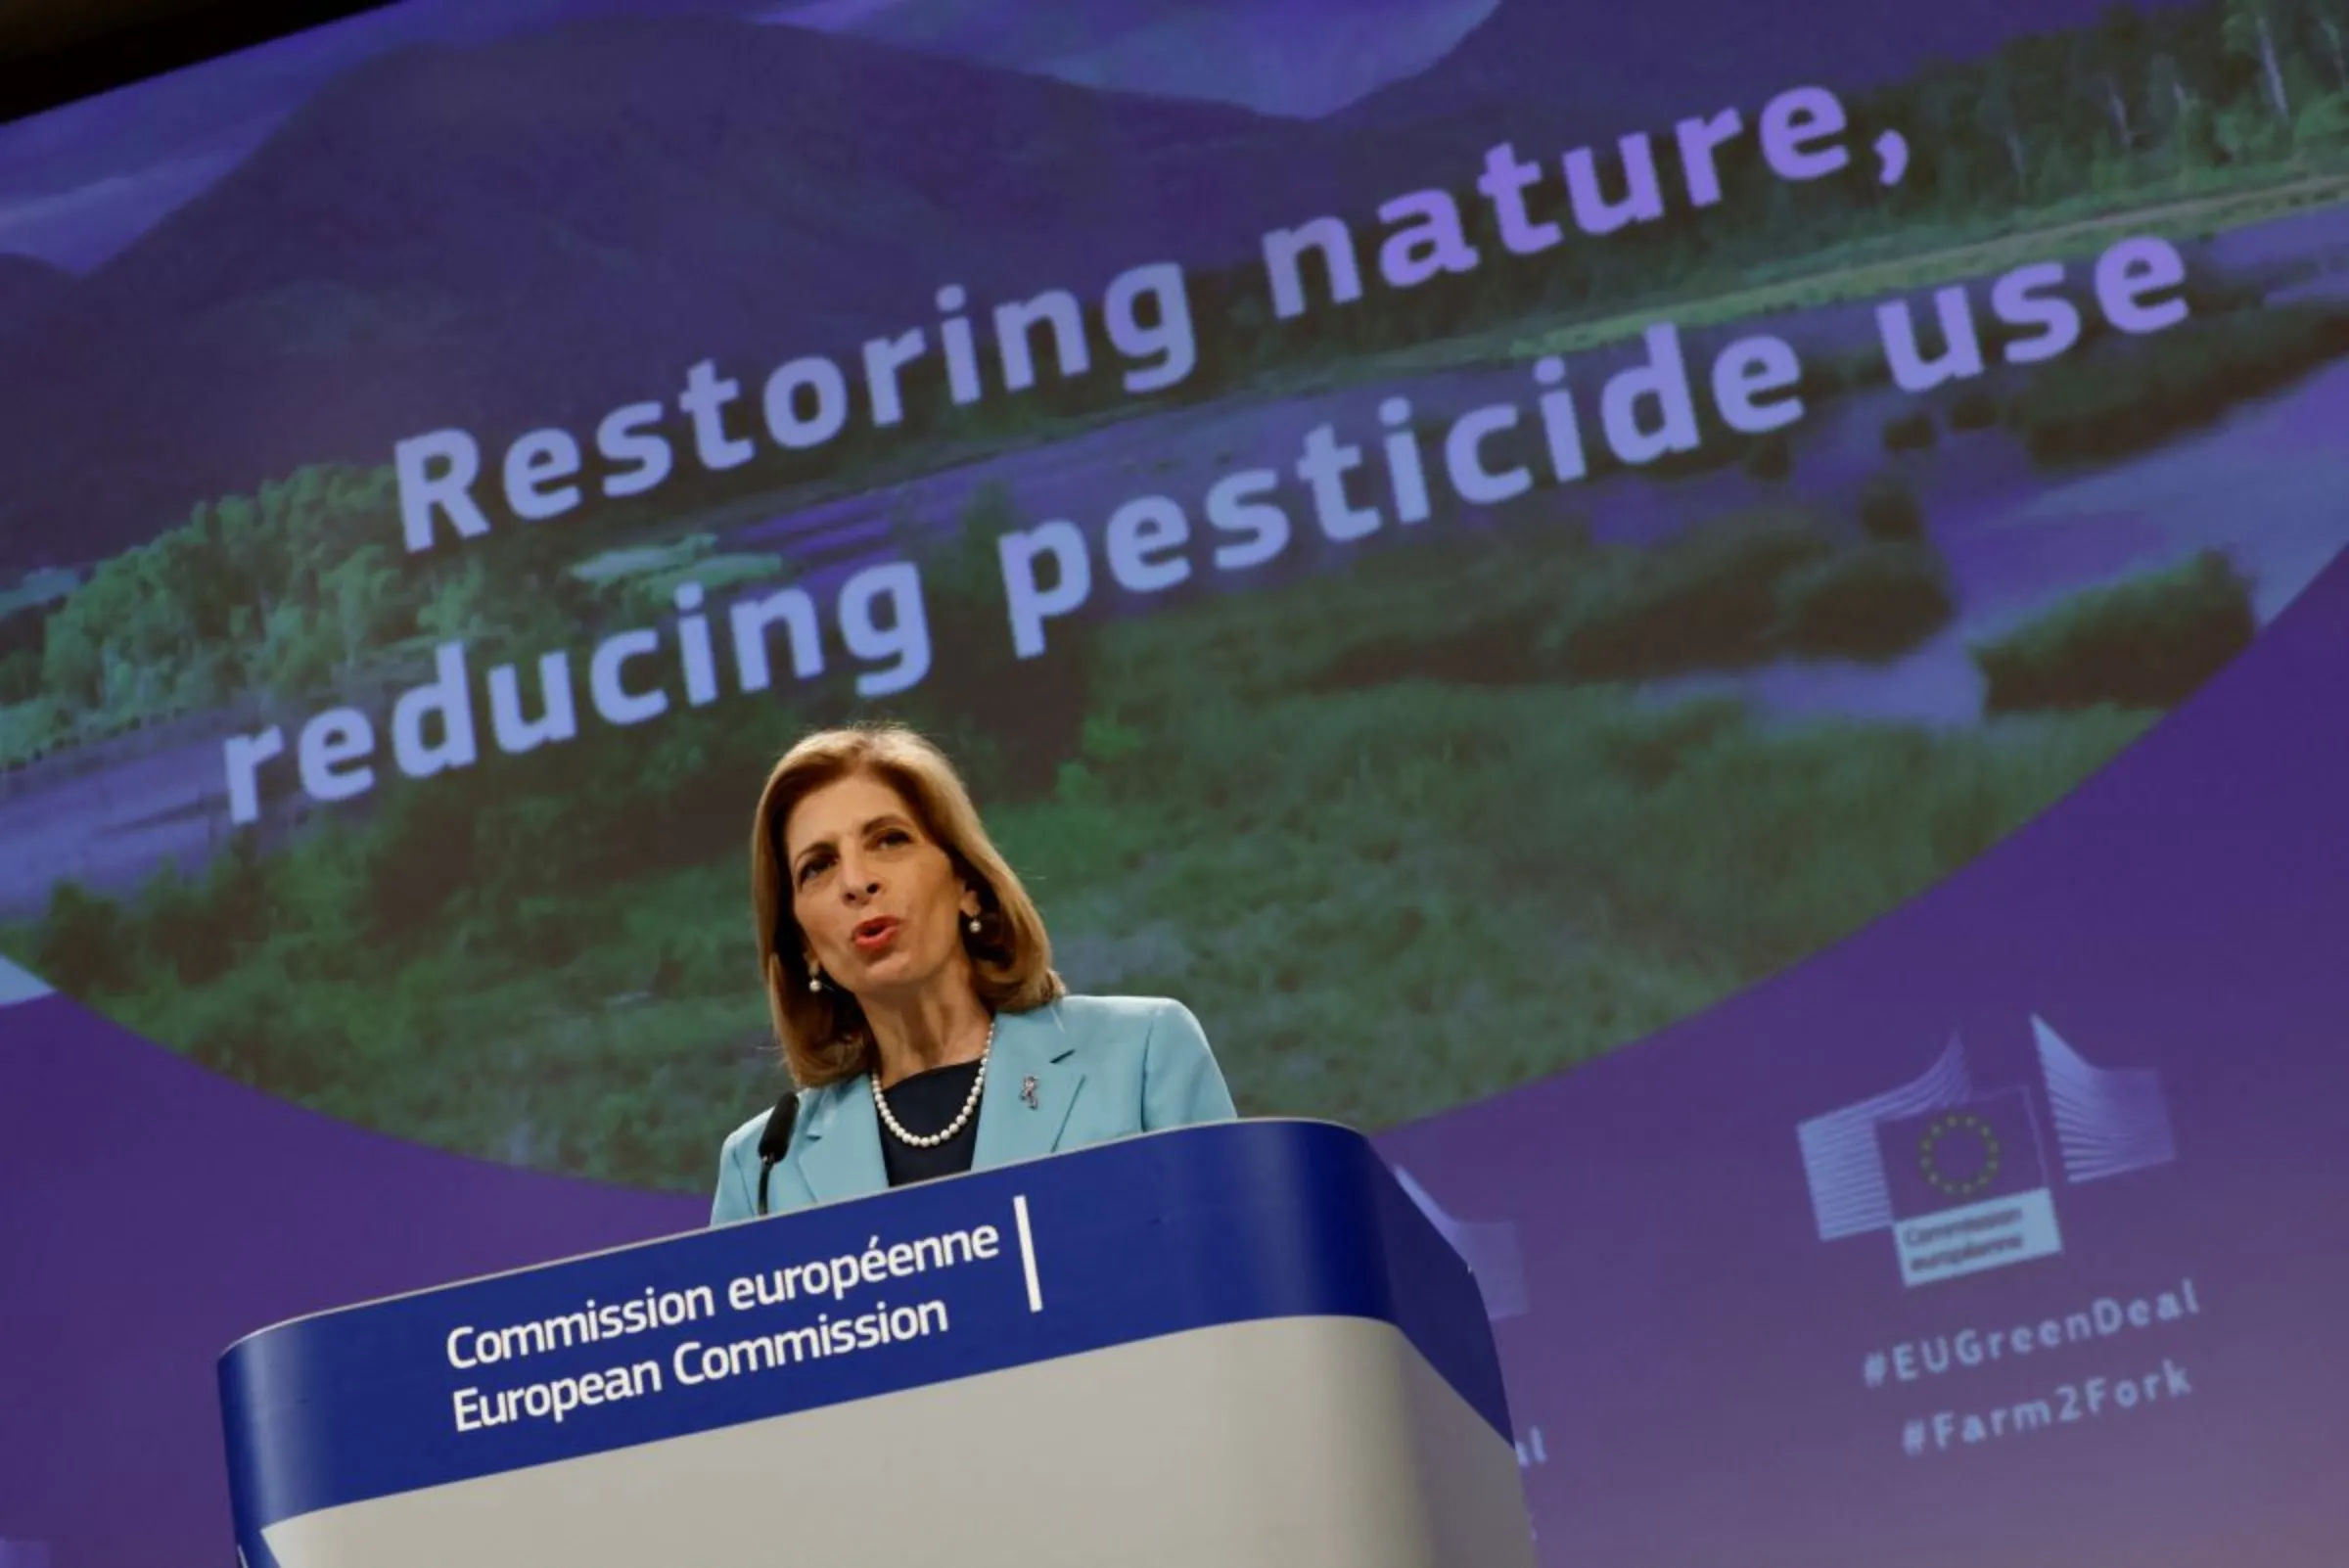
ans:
(970, 1106)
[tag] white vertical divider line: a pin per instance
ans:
(1035, 1291)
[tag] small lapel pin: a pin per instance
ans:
(1027, 1090)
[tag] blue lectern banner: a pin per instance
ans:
(1136, 1242)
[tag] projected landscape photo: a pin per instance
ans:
(1410, 819)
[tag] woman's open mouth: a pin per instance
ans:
(874, 935)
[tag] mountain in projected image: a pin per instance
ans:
(1567, 65)
(80, 184)
(541, 228)
(1576, 68)
(29, 288)
(1303, 57)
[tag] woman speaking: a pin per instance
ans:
(912, 988)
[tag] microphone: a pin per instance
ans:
(775, 1141)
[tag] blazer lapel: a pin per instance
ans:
(839, 1146)
(1031, 1085)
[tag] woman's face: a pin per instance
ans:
(877, 900)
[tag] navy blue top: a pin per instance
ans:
(923, 1105)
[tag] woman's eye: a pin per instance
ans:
(895, 836)
(807, 872)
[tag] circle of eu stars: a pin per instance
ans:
(1950, 1125)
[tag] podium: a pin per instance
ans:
(1238, 1344)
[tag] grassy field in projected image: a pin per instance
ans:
(1407, 823)
(1383, 897)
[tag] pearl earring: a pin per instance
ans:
(974, 925)
(816, 978)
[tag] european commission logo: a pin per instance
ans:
(1961, 1177)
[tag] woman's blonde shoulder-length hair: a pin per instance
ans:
(823, 1033)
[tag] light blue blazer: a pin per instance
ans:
(1105, 1067)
